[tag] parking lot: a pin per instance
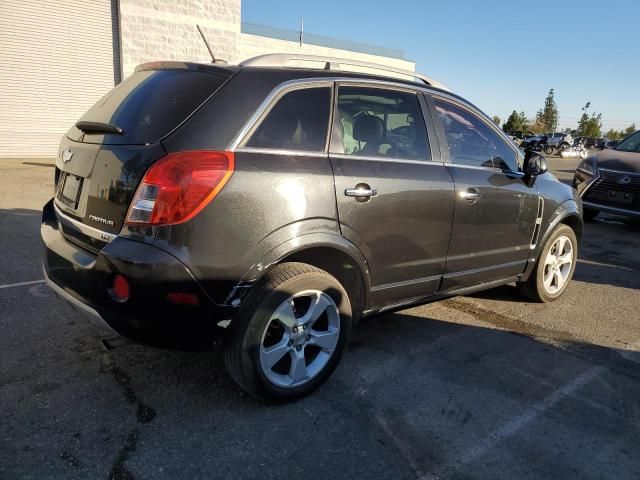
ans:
(485, 386)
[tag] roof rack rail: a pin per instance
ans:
(333, 63)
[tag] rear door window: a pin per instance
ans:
(149, 104)
(471, 141)
(298, 121)
(376, 122)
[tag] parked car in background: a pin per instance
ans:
(587, 142)
(610, 180)
(516, 134)
(611, 143)
(534, 142)
(576, 150)
(557, 141)
(271, 207)
(601, 142)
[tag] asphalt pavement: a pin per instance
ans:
(485, 386)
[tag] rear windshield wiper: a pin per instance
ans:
(99, 127)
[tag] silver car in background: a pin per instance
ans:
(557, 141)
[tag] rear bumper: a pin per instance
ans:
(89, 312)
(84, 279)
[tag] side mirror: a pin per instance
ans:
(534, 165)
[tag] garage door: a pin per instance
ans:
(57, 58)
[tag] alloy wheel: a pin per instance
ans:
(300, 338)
(558, 264)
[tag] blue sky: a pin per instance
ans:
(499, 55)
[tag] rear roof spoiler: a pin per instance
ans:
(175, 65)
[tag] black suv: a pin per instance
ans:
(610, 180)
(270, 208)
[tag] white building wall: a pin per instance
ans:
(36, 109)
(166, 30)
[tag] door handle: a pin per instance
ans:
(471, 195)
(362, 192)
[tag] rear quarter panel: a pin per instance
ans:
(271, 199)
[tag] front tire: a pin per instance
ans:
(548, 149)
(554, 267)
(289, 334)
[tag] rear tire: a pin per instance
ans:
(548, 149)
(554, 267)
(289, 334)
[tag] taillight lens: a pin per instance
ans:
(120, 290)
(178, 186)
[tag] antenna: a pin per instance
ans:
(204, 39)
(301, 31)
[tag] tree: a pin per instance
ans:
(583, 119)
(537, 126)
(547, 118)
(618, 134)
(496, 120)
(613, 134)
(517, 122)
(590, 125)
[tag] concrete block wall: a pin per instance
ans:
(166, 30)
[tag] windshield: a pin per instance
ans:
(630, 144)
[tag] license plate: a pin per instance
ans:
(71, 189)
(620, 197)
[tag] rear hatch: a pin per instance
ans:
(103, 158)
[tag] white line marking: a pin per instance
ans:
(609, 265)
(518, 423)
(21, 284)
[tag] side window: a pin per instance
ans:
(504, 157)
(472, 141)
(298, 121)
(379, 123)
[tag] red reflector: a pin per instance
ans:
(120, 290)
(183, 298)
(178, 186)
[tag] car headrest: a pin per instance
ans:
(368, 128)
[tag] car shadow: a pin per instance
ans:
(202, 374)
(411, 394)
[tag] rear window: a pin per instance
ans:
(151, 103)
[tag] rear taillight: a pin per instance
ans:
(178, 186)
(120, 289)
